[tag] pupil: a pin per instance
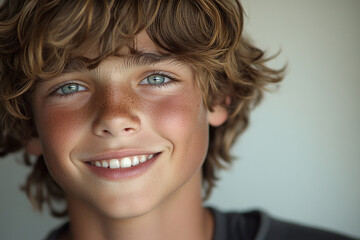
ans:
(156, 79)
(70, 88)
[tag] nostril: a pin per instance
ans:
(128, 129)
(106, 127)
(106, 132)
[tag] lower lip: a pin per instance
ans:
(123, 173)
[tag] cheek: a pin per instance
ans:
(175, 115)
(183, 121)
(59, 128)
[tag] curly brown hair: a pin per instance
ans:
(38, 38)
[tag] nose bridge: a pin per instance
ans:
(116, 101)
(116, 112)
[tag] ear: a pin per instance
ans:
(218, 116)
(33, 147)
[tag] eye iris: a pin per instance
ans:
(156, 79)
(71, 88)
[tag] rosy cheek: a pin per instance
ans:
(182, 120)
(59, 127)
(170, 114)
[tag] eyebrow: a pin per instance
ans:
(133, 60)
(143, 59)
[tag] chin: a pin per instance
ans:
(125, 208)
(124, 213)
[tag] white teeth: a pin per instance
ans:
(143, 158)
(114, 163)
(135, 161)
(104, 164)
(125, 162)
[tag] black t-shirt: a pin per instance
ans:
(257, 225)
(254, 225)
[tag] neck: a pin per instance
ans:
(180, 216)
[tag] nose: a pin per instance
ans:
(116, 117)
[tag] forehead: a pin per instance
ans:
(141, 43)
(143, 52)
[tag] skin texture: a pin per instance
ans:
(114, 111)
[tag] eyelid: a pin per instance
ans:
(52, 91)
(170, 76)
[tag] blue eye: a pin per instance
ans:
(70, 88)
(156, 79)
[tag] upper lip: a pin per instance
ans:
(120, 154)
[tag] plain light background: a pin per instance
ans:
(299, 159)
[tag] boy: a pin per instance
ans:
(132, 106)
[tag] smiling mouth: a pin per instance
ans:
(125, 162)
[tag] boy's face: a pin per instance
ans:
(128, 110)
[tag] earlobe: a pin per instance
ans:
(33, 147)
(218, 116)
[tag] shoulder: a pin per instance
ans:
(278, 229)
(56, 233)
(260, 226)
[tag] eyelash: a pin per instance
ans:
(172, 80)
(58, 87)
